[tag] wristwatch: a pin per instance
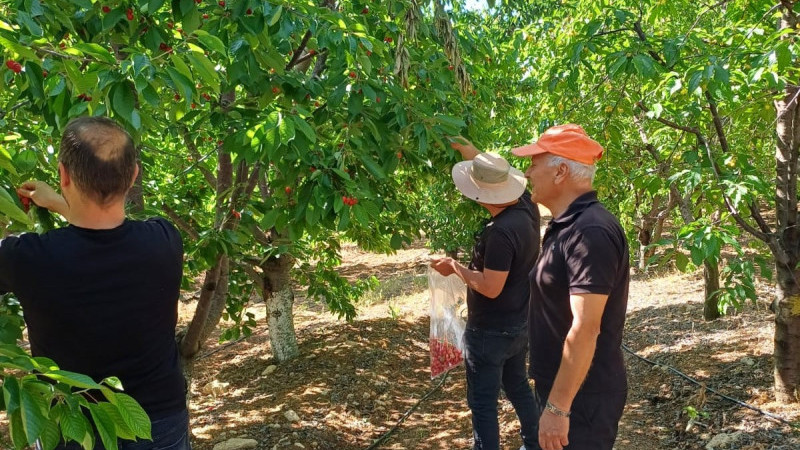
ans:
(555, 410)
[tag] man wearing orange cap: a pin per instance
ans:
(579, 295)
(496, 337)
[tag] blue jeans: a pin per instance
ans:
(168, 433)
(496, 359)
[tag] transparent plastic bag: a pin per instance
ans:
(448, 301)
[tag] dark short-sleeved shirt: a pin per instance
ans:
(509, 242)
(584, 251)
(104, 303)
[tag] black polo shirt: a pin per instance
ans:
(104, 303)
(509, 242)
(584, 251)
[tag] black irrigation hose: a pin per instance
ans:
(386, 435)
(714, 391)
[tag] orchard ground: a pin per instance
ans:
(354, 381)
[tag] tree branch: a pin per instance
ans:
(189, 142)
(179, 222)
(298, 51)
(723, 140)
(701, 140)
(637, 27)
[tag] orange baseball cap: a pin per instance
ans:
(569, 141)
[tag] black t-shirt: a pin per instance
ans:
(509, 242)
(104, 303)
(584, 251)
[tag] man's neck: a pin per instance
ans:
(561, 204)
(87, 214)
(494, 210)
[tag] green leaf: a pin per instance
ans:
(73, 379)
(374, 168)
(671, 53)
(123, 101)
(32, 417)
(183, 84)
(114, 382)
(96, 50)
(205, 70)
(681, 261)
(9, 209)
(694, 81)
(50, 436)
(112, 18)
(11, 393)
(396, 241)
(19, 49)
(105, 426)
(276, 16)
(211, 42)
(304, 128)
(25, 20)
(286, 130)
(134, 416)
(181, 66)
(34, 74)
(645, 65)
(17, 430)
(81, 83)
(120, 428)
(75, 426)
(618, 64)
(783, 56)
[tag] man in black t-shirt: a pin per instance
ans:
(496, 338)
(579, 295)
(100, 296)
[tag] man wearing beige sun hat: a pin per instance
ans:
(505, 251)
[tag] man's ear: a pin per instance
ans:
(135, 174)
(562, 173)
(63, 176)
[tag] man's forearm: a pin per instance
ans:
(576, 358)
(475, 280)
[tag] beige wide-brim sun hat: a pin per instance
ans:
(489, 179)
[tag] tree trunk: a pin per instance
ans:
(787, 302)
(218, 300)
(711, 285)
(279, 301)
(135, 197)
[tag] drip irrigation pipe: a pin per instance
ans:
(712, 390)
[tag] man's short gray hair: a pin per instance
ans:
(577, 170)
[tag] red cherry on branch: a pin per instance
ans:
(26, 203)
(352, 74)
(14, 66)
(222, 3)
(288, 190)
(275, 90)
(129, 14)
(249, 12)
(365, 11)
(106, 9)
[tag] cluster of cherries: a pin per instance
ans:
(444, 356)
(14, 66)
(349, 201)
